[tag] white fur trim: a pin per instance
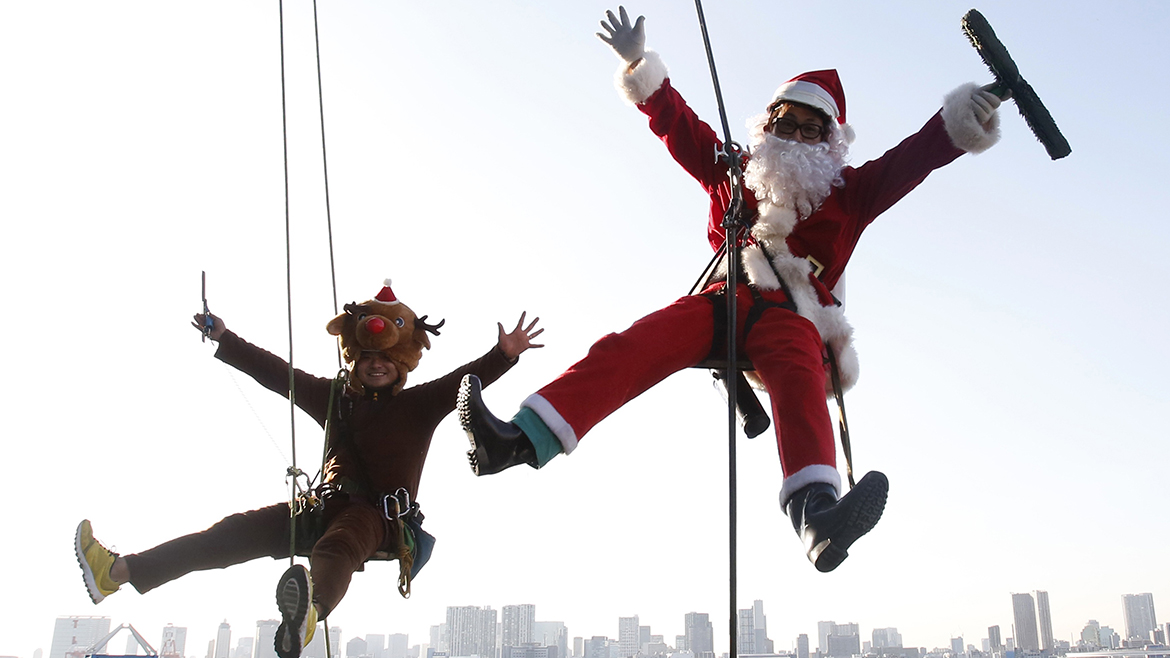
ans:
(963, 128)
(806, 476)
(551, 417)
(641, 83)
(807, 93)
(848, 133)
(772, 228)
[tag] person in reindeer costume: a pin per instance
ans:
(378, 436)
(808, 210)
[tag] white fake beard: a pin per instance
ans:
(793, 174)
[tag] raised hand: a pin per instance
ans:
(217, 325)
(628, 41)
(520, 338)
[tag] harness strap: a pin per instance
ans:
(842, 422)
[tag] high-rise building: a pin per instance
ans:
(73, 635)
(1091, 635)
(760, 626)
(838, 640)
(243, 647)
(440, 638)
(223, 641)
(1108, 638)
(174, 642)
(886, 638)
(994, 640)
(746, 633)
(472, 631)
(1140, 620)
(844, 645)
(335, 641)
(597, 647)
(957, 646)
(376, 645)
(1024, 612)
(700, 636)
(266, 638)
(1044, 613)
(578, 647)
(397, 645)
(356, 648)
(516, 624)
(628, 636)
(824, 630)
(802, 645)
(551, 634)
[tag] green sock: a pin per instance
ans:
(546, 443)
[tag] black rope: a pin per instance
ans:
(292, 471)
(732, 156)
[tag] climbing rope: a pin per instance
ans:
(293, 472)
(325, 168)
(732, 156)
(302, 498)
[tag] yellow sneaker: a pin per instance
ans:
(298, 615)
(95, 561)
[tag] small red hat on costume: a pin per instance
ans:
(386, 295)
(819, 89)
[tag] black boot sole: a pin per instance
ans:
(866, 503)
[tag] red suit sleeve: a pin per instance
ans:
(878, 184)
(694, 145)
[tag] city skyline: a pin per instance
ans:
(469, 629)
(1006, 315)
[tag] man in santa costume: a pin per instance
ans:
(807, 211)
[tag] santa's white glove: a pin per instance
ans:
(628, 41)
(984, 102)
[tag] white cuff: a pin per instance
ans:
(553, 419)
(964, 129)
(641, 83)
(806, 476)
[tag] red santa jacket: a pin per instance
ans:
(831, 232)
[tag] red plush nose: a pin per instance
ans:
(375, 325)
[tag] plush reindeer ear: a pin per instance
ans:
(421, 337)
(335, 325)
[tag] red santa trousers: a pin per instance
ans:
(785, 349)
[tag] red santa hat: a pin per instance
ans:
(386, 295)
(817, 89)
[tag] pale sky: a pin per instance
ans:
(1009, 313)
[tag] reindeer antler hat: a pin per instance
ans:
(383, 324)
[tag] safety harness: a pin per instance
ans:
(405, 540)
(755, 419)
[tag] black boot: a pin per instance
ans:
(829, 526)
(495, 444)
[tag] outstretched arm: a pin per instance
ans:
(519, 339)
